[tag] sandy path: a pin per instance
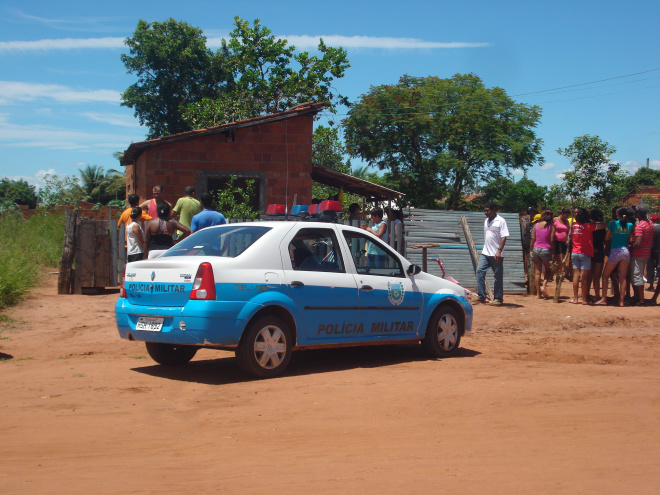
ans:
(543, 398)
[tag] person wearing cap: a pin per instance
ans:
(653, 265)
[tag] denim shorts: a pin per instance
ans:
(581, 261)
(619, 254)
(542, 254)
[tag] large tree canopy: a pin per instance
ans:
(174, 69)
(183, 85)
(442, 135)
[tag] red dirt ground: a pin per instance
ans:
(543, 398)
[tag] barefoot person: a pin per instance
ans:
(543, 235)
(582, 251)
(617, 239)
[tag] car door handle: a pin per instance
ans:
(367, 288)
(297, 283)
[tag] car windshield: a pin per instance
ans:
(227, 241)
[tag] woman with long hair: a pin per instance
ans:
(617, 240)
(159, 232)
(543, 235)
(582, 250)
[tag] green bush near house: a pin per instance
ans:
(28, 248)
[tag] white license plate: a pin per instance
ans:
(149, 324)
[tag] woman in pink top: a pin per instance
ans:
(543, 236)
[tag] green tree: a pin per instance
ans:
(268, 76)
(515, 197)
(60, 190)
(442, 135)
(594, 179)
(234, 201)
(18, 192)
(100, 187)
(174, 68)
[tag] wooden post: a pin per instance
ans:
(65, 277)
(473, 253)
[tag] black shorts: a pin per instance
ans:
(135, 257)
(561, 247)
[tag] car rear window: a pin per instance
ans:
(226, 241)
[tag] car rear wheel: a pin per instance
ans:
(170, 354)
(443, 335)
(265, 349)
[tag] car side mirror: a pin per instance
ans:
(414, 269)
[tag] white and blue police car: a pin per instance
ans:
(265, 289)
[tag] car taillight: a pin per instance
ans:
(122, 289)
(204, 284)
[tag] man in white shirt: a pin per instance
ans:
(495, 234)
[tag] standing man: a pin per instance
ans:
(640, 252)
(495, 234)
(133, 200)
(208, 217)
(151, 205)
(186, 208)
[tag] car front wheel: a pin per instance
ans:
(443, 335)
(170, 354)
(265, 349)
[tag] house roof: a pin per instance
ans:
(371, 191)
(136, 149)
(651, 191)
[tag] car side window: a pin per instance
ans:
(315, 250)
(371, 257)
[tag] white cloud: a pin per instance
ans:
(518, 171)
(113, 119)
(304, 42)
(37, 179)
(560, 175)
(61, 44)
(11, 91)
(547, 166)
(95, 24)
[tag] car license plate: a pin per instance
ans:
(149, 324)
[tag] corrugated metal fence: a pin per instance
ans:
(444, 228)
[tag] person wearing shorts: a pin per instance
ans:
(640, 252)
(582, 241)
(617, 238)
(543, 233)
(562, 226)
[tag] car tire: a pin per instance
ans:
(266, 347)
(170, 354)
(443, 334)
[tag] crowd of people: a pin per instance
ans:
(164, 225)
(623, 252)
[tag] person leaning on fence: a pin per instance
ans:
(208, 217)
(135, 244)
(492, 256)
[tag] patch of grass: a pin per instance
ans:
(138, 357)
(28, 248)
(6, 319)
(79, 375)
(26, 358)
(4, 337)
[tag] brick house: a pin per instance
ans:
(639, 195)
(274, 150)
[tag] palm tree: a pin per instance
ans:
(100, 187)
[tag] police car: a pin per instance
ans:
(265, 289)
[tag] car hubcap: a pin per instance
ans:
(270, 347)
(447, 332)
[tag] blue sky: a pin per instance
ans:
(592, 66)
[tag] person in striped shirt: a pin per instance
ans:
(640, 252)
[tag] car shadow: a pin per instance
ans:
(225, 370)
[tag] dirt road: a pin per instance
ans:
(544, 398)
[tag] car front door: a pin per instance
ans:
(324, 292)
(390, 303)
